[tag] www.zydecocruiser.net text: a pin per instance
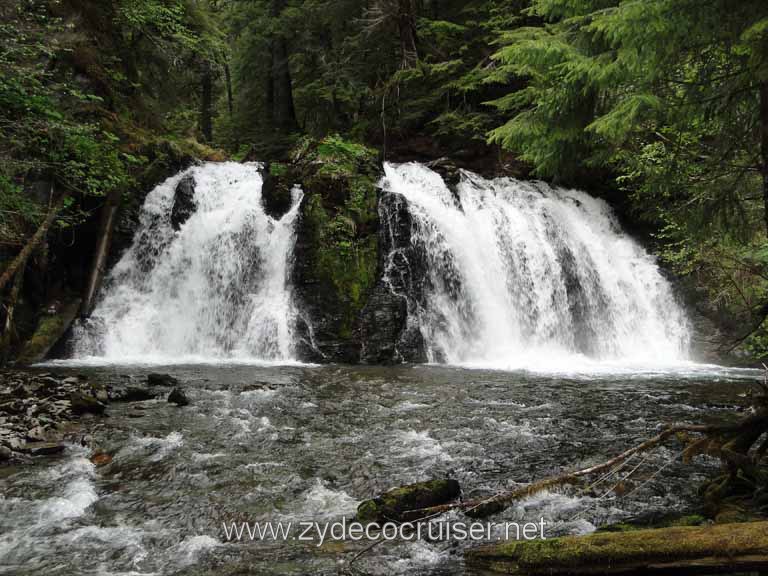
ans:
(342, 530)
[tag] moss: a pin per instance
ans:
(394, 505)
(340, 217)
(674, 520)
(632, 548)
(50, 329)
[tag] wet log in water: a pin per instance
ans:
(711, 549)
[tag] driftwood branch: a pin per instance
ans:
(29, 248)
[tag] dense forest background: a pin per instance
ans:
(659, 105)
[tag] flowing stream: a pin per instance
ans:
(298, 443)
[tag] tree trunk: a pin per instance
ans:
(228, 80)
(764, 144)
(206, 103)
(283, 111)
(99, 266)
(406, 22)
(38, 236)
(9, 329)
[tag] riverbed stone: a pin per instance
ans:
(178, 397)
(84, 404)
(135, 394)
(165, 380)
(42, 448)
(36, 434)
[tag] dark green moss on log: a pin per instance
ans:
(50, 329)
(396, 504)
(665, 550)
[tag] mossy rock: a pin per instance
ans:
(396, 504)
(337, 239)
(666, 550)
(50, 330)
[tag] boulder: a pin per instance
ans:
(178, 397)
(162, 380)
(37, 434)
(83, 404)
(134, 394)
(42, 448)
(5, 453)
(396, 504)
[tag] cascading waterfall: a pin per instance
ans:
(520, 274)
(216, 288)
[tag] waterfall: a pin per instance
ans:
(212, 287)
(520, 273)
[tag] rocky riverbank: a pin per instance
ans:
(41, 412)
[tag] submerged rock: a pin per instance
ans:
(162, 380)
(134, 394)
(395, 504)
(178, 397)
(42, 448)
(84, 404)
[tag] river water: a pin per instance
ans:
(295, 443)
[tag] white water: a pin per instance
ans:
(216, 289)
(522, 275)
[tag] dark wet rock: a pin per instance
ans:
(162, 380)
(387, 336)
(42, 448)
(183, 201)
(37, 434)
(85, 404)
(136, 415)
(276, 189)
(5, 453)
(395, 504)
(178, 397)
(134, 394)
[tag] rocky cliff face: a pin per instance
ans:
(386, 334)
(352, 263)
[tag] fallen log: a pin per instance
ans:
(49, 331)
(392, 505)
(678, 550)
(99, 265)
